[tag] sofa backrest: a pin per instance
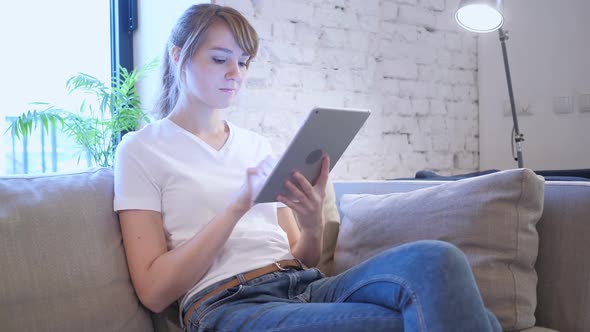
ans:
(563, 267)
(62, 257)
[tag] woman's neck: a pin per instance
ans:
(198, 119)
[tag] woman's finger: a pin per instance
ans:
(297, 193)
(324, 172)
(304, 185)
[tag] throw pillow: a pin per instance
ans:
(491, 218)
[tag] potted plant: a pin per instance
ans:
(95, 129)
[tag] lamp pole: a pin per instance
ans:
(518, 136)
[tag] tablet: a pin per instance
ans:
(324, 131)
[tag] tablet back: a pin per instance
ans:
(325, 131)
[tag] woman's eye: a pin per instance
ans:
(218, 60)
(243, 64)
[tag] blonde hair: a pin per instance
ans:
(188, 34)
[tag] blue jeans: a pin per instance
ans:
(420, 286)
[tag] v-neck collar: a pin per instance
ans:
(211, 150)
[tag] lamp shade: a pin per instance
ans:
(480, 15)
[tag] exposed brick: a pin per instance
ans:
(406, 60)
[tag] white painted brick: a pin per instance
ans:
(430, 73)
(289, 76)
(444, 91)
(436, 5)
(394, 144)
(259, 76)
(282, 52)
(334, 37)
(423, 54)
(470, 42)
(394, 105)
(445, 58)
(313, 79)
(365, 7)
(464, 76)
(336, 17)
(417, 89)
(404, 2)
(438, 107)
(465, 92)
(399, 69)
(363, 80)
(244, 7)
(453, 41)
(420, 107)
(445, 20)
(465, 160)
(298, 11)
(368, 23)
(414, 161)
(406, 60)
(306, 100)
(283, 30)
(306, 35)
(417, 16)
(472, 143)
(439, 159)
(405, 33)
(336, 58)
(266, 100)
(432, 38)
(389, 11)
(462, 110)
(432, 125)
(395, 124)
(262, 27)
(464, 60)
(359, 40)
(442, 143)
(420, 142)
(340, 79)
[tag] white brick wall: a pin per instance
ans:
(405, 59)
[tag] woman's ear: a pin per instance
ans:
(175, 54)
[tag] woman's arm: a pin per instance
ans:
(160, 276)
(305, 246)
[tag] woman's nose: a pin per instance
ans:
(233, 71)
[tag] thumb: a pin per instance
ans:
(324, 172)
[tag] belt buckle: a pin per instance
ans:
(278, 265)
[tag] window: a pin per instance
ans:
(45, 43)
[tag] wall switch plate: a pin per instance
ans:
(584, 102)
(563, 104)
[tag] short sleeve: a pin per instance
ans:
(135, 187)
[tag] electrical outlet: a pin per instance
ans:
(563, 104)
(584, 102)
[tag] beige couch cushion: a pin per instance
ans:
(491, 218)
(62, 258)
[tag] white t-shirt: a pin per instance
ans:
(164, 168)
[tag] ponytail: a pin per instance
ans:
(169, 89)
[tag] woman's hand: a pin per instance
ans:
(307, 200)
(255, 177)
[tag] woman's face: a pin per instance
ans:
(218, 68)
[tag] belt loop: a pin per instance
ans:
(241, 278)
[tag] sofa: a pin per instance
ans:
(63, 262)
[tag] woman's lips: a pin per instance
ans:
(228, 91)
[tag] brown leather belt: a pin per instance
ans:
(274, 267)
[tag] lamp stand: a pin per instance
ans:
(518, 136)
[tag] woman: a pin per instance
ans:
(183, 191)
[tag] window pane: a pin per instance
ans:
(44, 43)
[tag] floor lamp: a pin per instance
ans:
(486, 16)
